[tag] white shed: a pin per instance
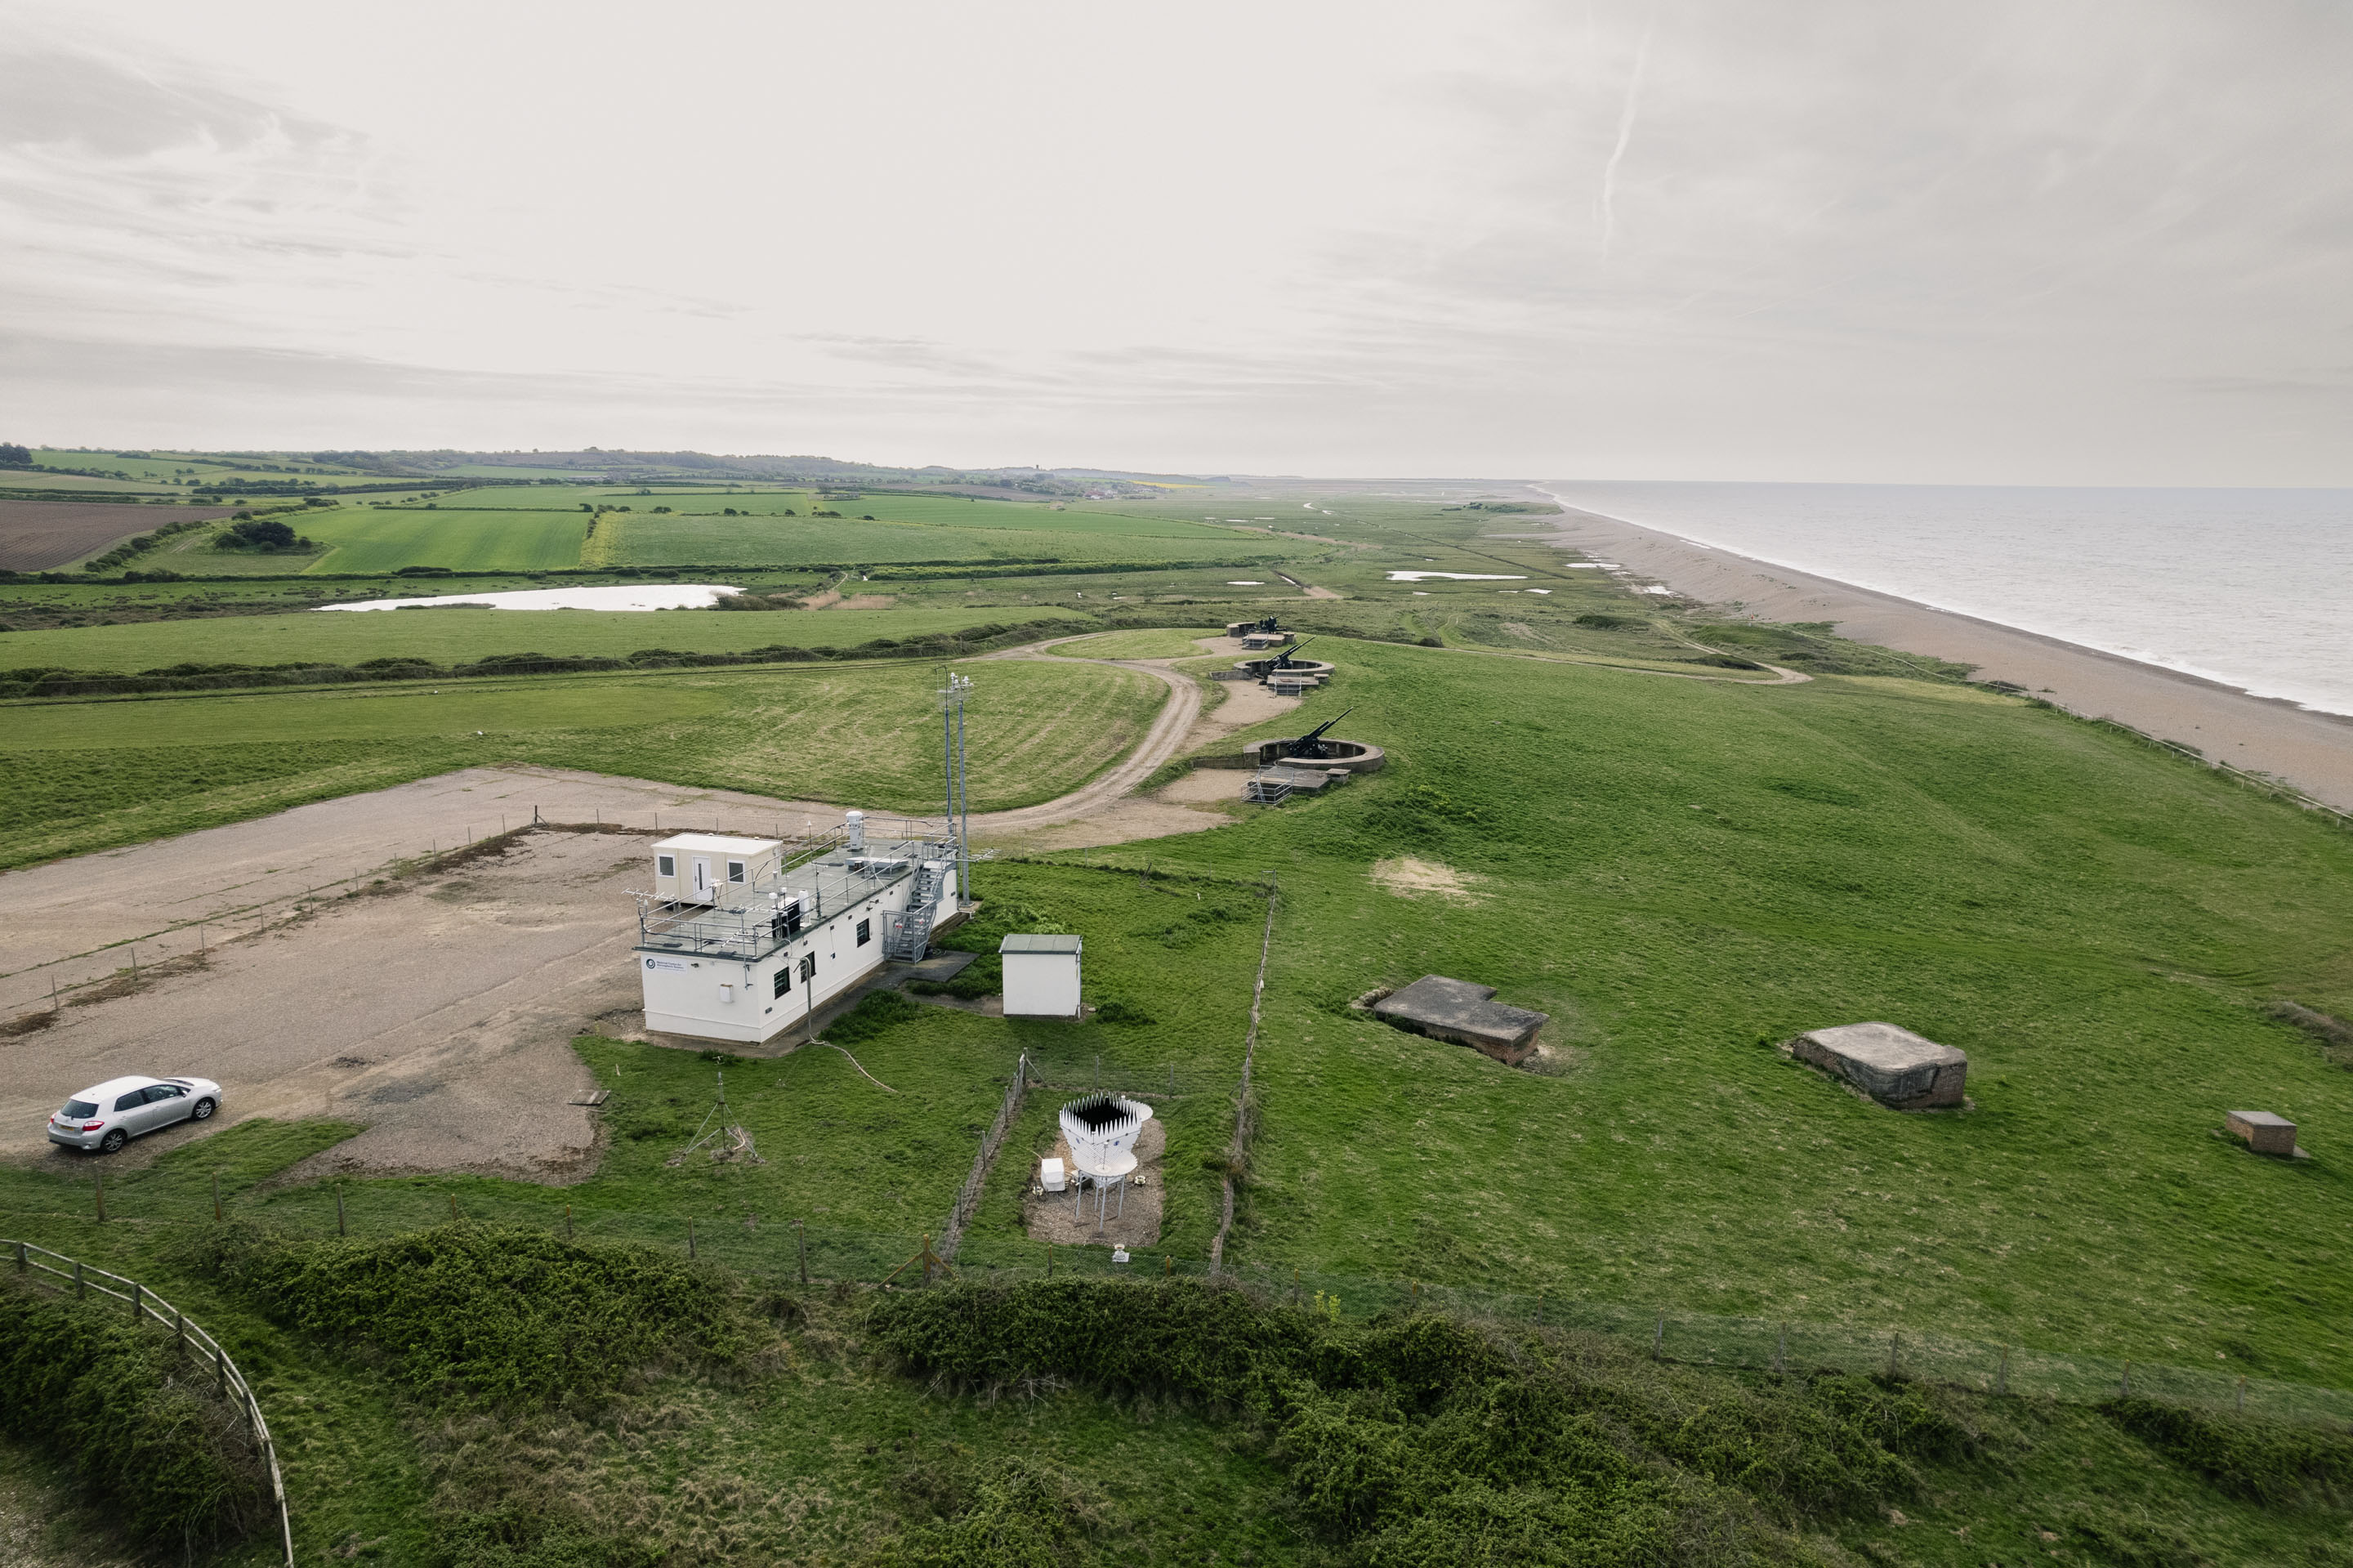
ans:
(694, 868)
(1041, 976)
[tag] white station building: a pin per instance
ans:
(740, 941)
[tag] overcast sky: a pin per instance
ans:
(2045, 241)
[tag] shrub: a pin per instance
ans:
(487, 1312)
(119, 1404)
(1420, 1439)
(2260, 1461)
(879, 1010)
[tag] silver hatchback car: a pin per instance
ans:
(119, 1109)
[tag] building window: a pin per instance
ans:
(865, 932)
(809, 968)
(784, 979)
(665, 865)
(735, 871)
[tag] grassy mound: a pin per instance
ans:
(1421, 1439)
(491, 1312)
(129, 1413)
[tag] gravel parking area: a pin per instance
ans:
(437, 1011)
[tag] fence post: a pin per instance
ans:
(23, 1258)
(98, 1178)
(690, 1239)
(1050, 1260)
(138, 1300)
(453, 1204)
(567, 1221)
(2001, 1374)
(180, 1330)
(1781, 1351)
(216, 1208)
(341, 1229)
(1659, 1339)
(2124, 1384)
(800, 1242)
(78, 1292)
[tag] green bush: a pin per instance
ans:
(127, 1412)
(1011, 1515)
(2260, 1461)
(1420, 1439)
(879, 1010)
(486, 1311)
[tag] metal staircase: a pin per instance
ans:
(907, 933)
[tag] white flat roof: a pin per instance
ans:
(718, 844)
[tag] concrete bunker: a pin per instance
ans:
(1465, 1013)
(2265, 1133)
(1894, 1066)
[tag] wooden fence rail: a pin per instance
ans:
(73, 1275)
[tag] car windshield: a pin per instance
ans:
(79, 1108)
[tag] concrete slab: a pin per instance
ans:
(1894, 1066)
(1465, 1013)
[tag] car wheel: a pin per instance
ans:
(114, 1141)
(200, 1110)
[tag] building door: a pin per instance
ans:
(704, 890)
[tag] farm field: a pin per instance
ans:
(41, 535)
(457, 636)
(381, 540)
(79, 776)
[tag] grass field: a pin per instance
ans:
(76, 777)
(368, 540)
(1682, 873)
(455, 636)
(1153, 644)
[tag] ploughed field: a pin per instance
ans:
(36, 535)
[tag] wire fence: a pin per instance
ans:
(81, 1280)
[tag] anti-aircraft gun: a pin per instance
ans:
(1283, 658)
(1311, 745)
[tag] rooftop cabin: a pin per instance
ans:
(694, 867)
(740, 941)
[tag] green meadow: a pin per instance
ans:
(457, 636)
(369, 540)
(79, 776)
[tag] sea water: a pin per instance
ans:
(2252, 587)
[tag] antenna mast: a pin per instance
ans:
(959, 805)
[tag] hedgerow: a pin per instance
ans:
(130, 1413)
(1416, 1440)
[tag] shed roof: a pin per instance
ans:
(719, 843)
(1024, 942)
